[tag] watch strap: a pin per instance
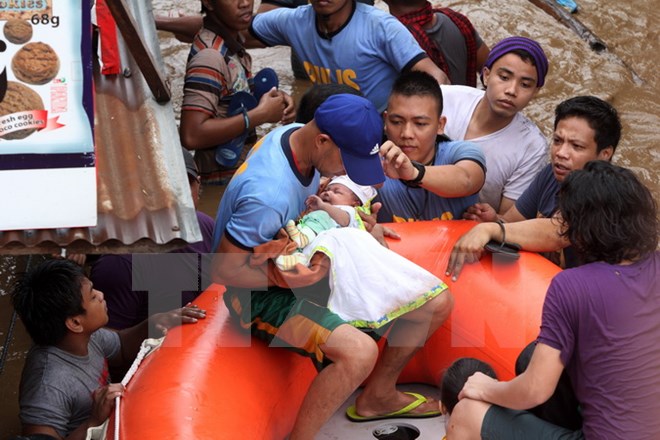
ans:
(416, 182)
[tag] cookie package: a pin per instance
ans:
(46, 100)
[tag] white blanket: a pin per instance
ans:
(370, 284)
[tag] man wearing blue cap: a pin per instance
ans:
(515, 148)
(267, 191)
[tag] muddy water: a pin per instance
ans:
(630, 29)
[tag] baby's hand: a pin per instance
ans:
(314, 203)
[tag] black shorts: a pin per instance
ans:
(508, 424)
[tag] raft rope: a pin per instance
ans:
(148, 346)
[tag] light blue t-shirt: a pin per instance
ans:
(264, 193)
(368, 53)
(404, 204)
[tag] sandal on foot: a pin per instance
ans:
(405, 412)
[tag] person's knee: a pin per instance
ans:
(444, 305)
(364, 355)
(466, 420)
(440, 306)
(352, 350)
(437, 309)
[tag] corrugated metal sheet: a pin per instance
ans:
(144, 201)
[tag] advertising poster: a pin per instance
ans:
(47, 162)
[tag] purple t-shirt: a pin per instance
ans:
(138, 285)
(605, 320)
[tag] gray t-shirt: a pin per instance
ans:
(449, 39)
(56, 386)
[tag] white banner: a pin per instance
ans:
(47, 162)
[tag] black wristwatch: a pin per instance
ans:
(416, 182)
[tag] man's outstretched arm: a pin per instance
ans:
(535, 235)
(428, 66)
(533, 387)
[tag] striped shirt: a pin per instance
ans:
(213, 74)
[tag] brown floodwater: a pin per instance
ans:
(626, 75)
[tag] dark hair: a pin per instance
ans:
(46, 296)
(418, 83)
(608, 214)
(524, 55)
(601, 117)
(316, 95)
(455, 377)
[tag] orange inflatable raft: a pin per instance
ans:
(212, 381)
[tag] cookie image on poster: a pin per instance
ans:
(35, 63)
(19, 98)
(18, 31)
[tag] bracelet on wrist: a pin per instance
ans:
(417, 181)
(246, 120)
(500, 222)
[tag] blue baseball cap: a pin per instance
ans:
(355, 126)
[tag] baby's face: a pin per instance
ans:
(338, 194)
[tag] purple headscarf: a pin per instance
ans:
(530, 46)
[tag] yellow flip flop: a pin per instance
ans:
(405, 412)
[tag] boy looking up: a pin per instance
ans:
(65, 386)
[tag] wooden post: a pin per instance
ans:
(567, 19)
(128, 28)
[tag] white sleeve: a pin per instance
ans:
(354, 221)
